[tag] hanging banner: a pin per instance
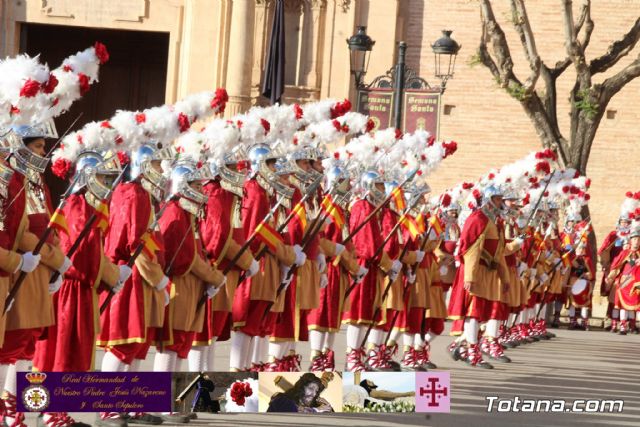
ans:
(421, 110)
(377, 104)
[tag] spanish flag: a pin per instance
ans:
(436, 225)
(566, 241)
(398, 199)
(59, 222)
(410, 225)
(102, 215)
(421, 222)
(151, 245)
(333, 211)
(269, 236)
(301, 213)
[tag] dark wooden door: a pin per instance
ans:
(134, 78)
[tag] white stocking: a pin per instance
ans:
(491, 330)
(110, 363)
(165, 362)
(418, 342)
(623, 314)
(316, 338)
(329, 340)
(353, 337)
(522, 317)
(10, 382)
(197, 358)
(375, 336)
(258, 349)
(135, 365)
(211, 355)
(277, 350)
(394, 336)
(471, 328)
(239, 350)
(584, 312)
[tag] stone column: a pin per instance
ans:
(240, 58)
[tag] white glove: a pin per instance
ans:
(419, 256)
(55, 286)
(167, 297)
(533, 272)
(253, 268)
(212, 291)
(29, 262)
(125, 273)
(522, 267)
(286, 282)
(118, 287)
(66, 265)
(301, 257)
(518, 241)
(339, 249)
(544, 277)
(322, 263)
(162, 284)
(396, 266)
(324, 281)
(411, 277)
(457, 264)
(361, 273)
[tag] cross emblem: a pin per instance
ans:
(434, 391)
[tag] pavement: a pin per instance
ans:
(574, 365)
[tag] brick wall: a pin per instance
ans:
(491, 127)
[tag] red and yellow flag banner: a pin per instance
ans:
(566, 259)
(397, 195)
(102, 215)
(269, 236)
(151, 245)
(59, 222)
(410, 225)
(301, 213)
(333, 211)
(436, 225)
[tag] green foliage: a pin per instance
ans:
(584, 103)
(381, 407)
(474, 60)
(517, 91)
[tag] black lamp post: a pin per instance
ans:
(445, 50)
(360, 45)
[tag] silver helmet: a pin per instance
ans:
(490, 192)
(232, 178)
(185, 172)
(85, 164)
(304, 153)
(152, 180)
(338, 178)
(635, 231)
(259, 155)
(368, 182)
(25, 158)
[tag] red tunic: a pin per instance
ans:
(365, 297)
(70, 344)
(125, 320)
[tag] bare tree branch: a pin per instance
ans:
(585, 18)
(574, 50)
(523, 28)
(499, 44)
(617, 50)
(615, 83)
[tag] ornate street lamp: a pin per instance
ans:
(360, 45)
(445, 50)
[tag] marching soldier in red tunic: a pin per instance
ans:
(29, 209)
(367, 295)
(482, 275)
(324, 321)
(624, 280)
(611, 247)
(249, 337)
(222, 235)
(127, 324)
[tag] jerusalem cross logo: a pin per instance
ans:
(433, 392)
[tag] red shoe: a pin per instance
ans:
(318, 363)
(474, 358)
(60, 419)
(496, 352)
(330, 361)
(485, 344)
(295, 363)
(457, 351)
(354, 361)
(276, 365)
(257, 367)
(10, 411)
(378, 359)
(410, 361)
(424, 357)
(623, 327)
